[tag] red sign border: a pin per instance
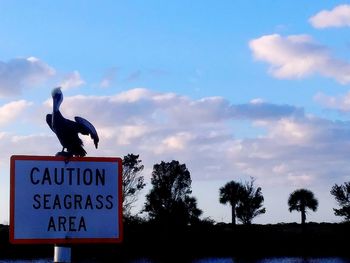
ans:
(14, 158)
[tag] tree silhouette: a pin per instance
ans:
(231, 193)
(133, 182)
(169, 200)
(341, 194)
(251, 202)
(246, 201)
(300, 200)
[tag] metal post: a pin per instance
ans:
(62, 254)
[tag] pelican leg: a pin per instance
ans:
(66, 155)
(67, 158)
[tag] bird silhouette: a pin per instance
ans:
(67, 130)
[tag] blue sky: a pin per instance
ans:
(234, 89)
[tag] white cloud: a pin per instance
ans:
(72, 80)
(10, 111)
(19, 73)
(257, 101)
(175, 142)
(340, 103)
(300, 180)
(306, 152)
(290, 130)
(339, 16)
(151, 124)
(128, 133)
(298, 56)
(140, 107)
(132, 95)
(33, 144)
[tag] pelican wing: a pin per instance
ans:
(86, 128)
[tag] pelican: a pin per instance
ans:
(67, 130)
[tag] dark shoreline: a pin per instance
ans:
(220, 240)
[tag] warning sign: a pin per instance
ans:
(58, 201)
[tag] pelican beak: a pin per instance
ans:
(55, 104)
(57, 100)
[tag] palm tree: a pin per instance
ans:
(251, 203)
(300, 200)
(231, 193)
(341, 194)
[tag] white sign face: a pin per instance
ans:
(53, 201)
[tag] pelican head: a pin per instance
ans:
(57, 98)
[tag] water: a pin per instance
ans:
(215, 260)
(274, 260)
(25, 260)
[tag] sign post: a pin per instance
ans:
(62, 254)
(55, 201)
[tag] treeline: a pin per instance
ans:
(170, 202)
(183, 244)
